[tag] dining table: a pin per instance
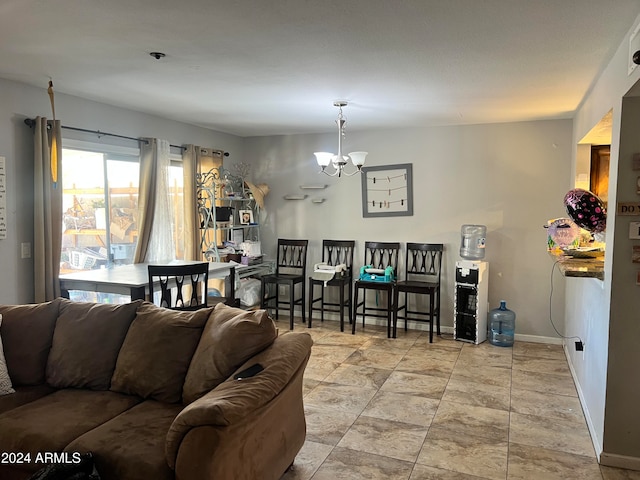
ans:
(133, 279)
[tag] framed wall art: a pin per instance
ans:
(387, 191)
(246, 217)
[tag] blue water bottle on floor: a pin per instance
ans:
(502, 326)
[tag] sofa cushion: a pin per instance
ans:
(231, 336)
(156, 352)
(24, 395)
(27, 332)
(132, 445)
(50, 423)
(86, 343)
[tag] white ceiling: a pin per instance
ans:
(265, 67)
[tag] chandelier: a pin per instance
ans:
(340, 161)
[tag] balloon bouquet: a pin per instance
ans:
(587, 211)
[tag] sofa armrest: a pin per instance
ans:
(234, 400)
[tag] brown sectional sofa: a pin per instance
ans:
(150, 391)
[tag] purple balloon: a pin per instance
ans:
(586, 210)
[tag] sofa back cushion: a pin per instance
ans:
(86, 343)
(231, 337)
(156, 352)
(27, 332)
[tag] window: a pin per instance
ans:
(100, 205)
(176, 200)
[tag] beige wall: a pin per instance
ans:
(622, 429)
(605, 314)
(511, 177)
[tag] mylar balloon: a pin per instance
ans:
(586, 210)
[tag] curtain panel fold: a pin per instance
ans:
(162, 243)
(191, 217)
(195, 160)
(155, 238)
(146, 197)
(47, 211)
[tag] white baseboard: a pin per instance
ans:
(604, 458)
(587, 415)
(538, 339)
(424, 326)
(619, 461)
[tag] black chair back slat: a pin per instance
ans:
(382, 254)
(423, 259)
(178, 278)
(292, 254)
(335, 252)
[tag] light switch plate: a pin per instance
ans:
(25, 250)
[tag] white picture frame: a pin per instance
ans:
(246, 217)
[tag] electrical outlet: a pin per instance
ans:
(579, 346)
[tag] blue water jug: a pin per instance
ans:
(502, 326)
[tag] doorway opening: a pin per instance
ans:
(593, 160)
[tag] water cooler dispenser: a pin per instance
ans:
(472, 287)
(470, 301)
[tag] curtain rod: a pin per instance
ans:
(31, 123)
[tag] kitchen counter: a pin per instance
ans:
(579, 267)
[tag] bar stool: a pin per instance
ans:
(291, 265)
(334, 252)
(378, 255)
(423, 262)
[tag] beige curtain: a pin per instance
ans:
(195, 160)
(146, 196)
(191, 218)
(47, 212)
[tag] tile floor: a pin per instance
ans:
(393, 409)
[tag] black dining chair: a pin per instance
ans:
(291, 265)
(423, 267)
(378, 255)
(334, 252)
(181, 287)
